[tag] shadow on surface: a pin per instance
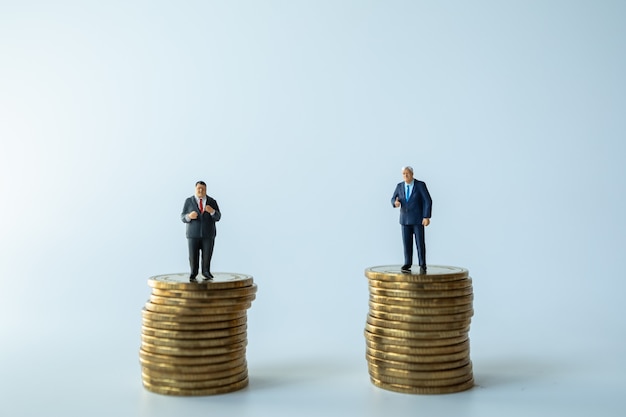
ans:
(515, 371)
(301, 372)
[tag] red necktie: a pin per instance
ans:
(201, 209)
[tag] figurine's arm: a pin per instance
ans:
(395, 198)
(212, 205)
(187, 216)
(428, 204)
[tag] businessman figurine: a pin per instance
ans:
(415, 204)
(200, 212)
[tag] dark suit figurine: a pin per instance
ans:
(200, 212)
(414, 216)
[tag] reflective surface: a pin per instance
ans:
(434, 273)
(180, 281)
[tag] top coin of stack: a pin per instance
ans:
(194, 335)
(417, 329)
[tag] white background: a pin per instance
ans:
(299, 116)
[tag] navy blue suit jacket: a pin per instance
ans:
(419, 205)
(204, 226)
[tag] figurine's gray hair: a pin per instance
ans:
(410, 168)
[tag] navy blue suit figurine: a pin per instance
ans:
(200, 212)
(415, 204)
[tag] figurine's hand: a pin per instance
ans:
(209, 209)
(397, 203)
(425, 222)
(193, 215)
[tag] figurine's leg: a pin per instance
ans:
(194, 256)
(420, 243)
(407, 240)
(207, 254)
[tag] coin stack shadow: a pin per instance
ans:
(194, 335)
(417, 330)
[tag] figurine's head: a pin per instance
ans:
(407, 174)
(200, 189)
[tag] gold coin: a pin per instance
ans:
(221, 280)
(462, 292)
(408, 389)
(194, 343)
(432, 313)
(413, 322)
(168, 390)
(423, 302)
(401, 357)
(435, 273)
(186, 351)
(191, 360)
(420, 375)
(409, 350)
(186, 334)
(412, 314)
(422, 286)
(211, 383)
(207, 293)
(191, 369)
(201, 302)
(414, 366)
(192, 311)
(412, 334)
(418, 326)
(443, 382)
(200, 318)
(195, 376)
(415, 343)
(176, 326)
(434, 386)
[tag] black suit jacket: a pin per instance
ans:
(204, 226)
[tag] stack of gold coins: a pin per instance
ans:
(194, 334)
(417, 329)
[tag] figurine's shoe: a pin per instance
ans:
(423, 269)
(207, 275)
(192, 278)
(406, 269)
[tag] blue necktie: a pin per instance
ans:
(407, 193)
